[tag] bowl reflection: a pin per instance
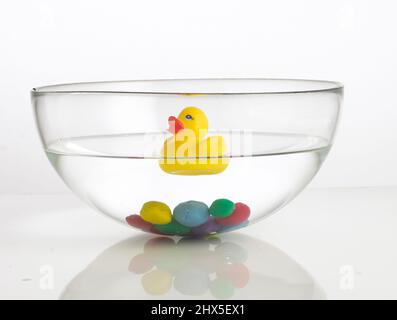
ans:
(234, 266)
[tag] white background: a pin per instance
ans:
(46, 42)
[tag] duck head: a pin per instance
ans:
(191, 118)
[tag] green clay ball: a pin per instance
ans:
(222, 208)
(172, 228)
(221, 288)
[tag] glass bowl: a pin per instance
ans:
(188, 157)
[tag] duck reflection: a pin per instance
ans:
(234, 266)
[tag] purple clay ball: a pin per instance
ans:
(206, 228)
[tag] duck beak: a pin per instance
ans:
(175, 124)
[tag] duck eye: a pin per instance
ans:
(188, 117)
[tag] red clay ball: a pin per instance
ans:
(241, 213)
(237, 273)
(136, 221)
(140, 264)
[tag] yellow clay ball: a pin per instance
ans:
(156, 212)
(157, 282)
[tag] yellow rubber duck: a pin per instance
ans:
(188, 151)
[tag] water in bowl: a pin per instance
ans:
(117, 174)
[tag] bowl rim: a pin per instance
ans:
(327, 86)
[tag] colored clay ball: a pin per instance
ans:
(157, 282)
(172, 228)
(191, 281)
(210, 226)
(241, 213)
(221, 208)
(191, 218)
(137, 222)
(237, 273)
(191, 213)
(140, 264)
(156, 212)
(222, 288)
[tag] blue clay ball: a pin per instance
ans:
(191, 213)
(192, 281)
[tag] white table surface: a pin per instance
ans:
(327, 243)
